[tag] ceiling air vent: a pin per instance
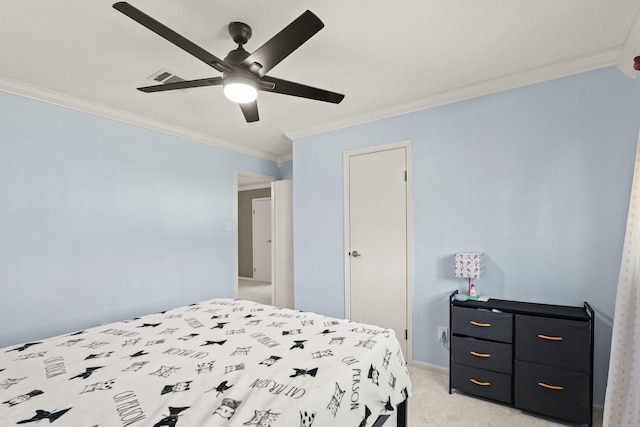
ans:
(166, 76)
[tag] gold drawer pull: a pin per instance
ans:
(547, 337)
(482, 383)
(551, 387)
(473, 353)
(483, 325)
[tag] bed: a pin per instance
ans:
(221, 362)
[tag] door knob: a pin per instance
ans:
(355, 254)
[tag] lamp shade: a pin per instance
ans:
(469, 264)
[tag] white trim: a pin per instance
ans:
(235, 235)
(621, 56)
(255, 186)
(67, 101)
(406, 144)
(282, 159)
(257, 176)
(409, 154)
(430, 367)
(259, 180)
(287, 158)
(282, 280)
(548, 72)
(630, 49)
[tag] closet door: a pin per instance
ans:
(376, 261)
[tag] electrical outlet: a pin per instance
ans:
(443, 333)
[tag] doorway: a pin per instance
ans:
(377, 190)
(249, 186)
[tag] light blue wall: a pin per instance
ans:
(101, 221)
(538, 178)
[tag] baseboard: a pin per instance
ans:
(430, 367)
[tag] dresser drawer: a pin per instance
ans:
(488, 384)
(482, 324)
(495, 356)
(552, 391)
(555, 342)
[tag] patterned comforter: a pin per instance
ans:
(217, 363)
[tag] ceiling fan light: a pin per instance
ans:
(240, 89)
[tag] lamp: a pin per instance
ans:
(240, 89)
(469, 265)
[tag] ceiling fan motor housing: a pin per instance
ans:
(240, 32)
(236, 56)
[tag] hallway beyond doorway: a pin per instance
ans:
(254, 290)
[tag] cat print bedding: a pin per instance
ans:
(217, 363)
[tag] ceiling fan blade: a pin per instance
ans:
(211, 81)
(170, 35)
(282, 44)
(286, 87)
(250, 111)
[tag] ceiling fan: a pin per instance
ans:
(243, 73)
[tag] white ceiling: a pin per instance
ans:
(388, 58)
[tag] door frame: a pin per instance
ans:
(406, 144)
(282, 283)
(244, 180)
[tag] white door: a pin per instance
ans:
(282, 237)
(262, 239)
(376, 246)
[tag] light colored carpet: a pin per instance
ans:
(432, 405)
(254, 290)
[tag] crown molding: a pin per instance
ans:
(630, 49)
(621, 56)
(283, 159)
(82, 105)
(548, 72)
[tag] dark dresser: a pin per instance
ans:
(535, 357)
